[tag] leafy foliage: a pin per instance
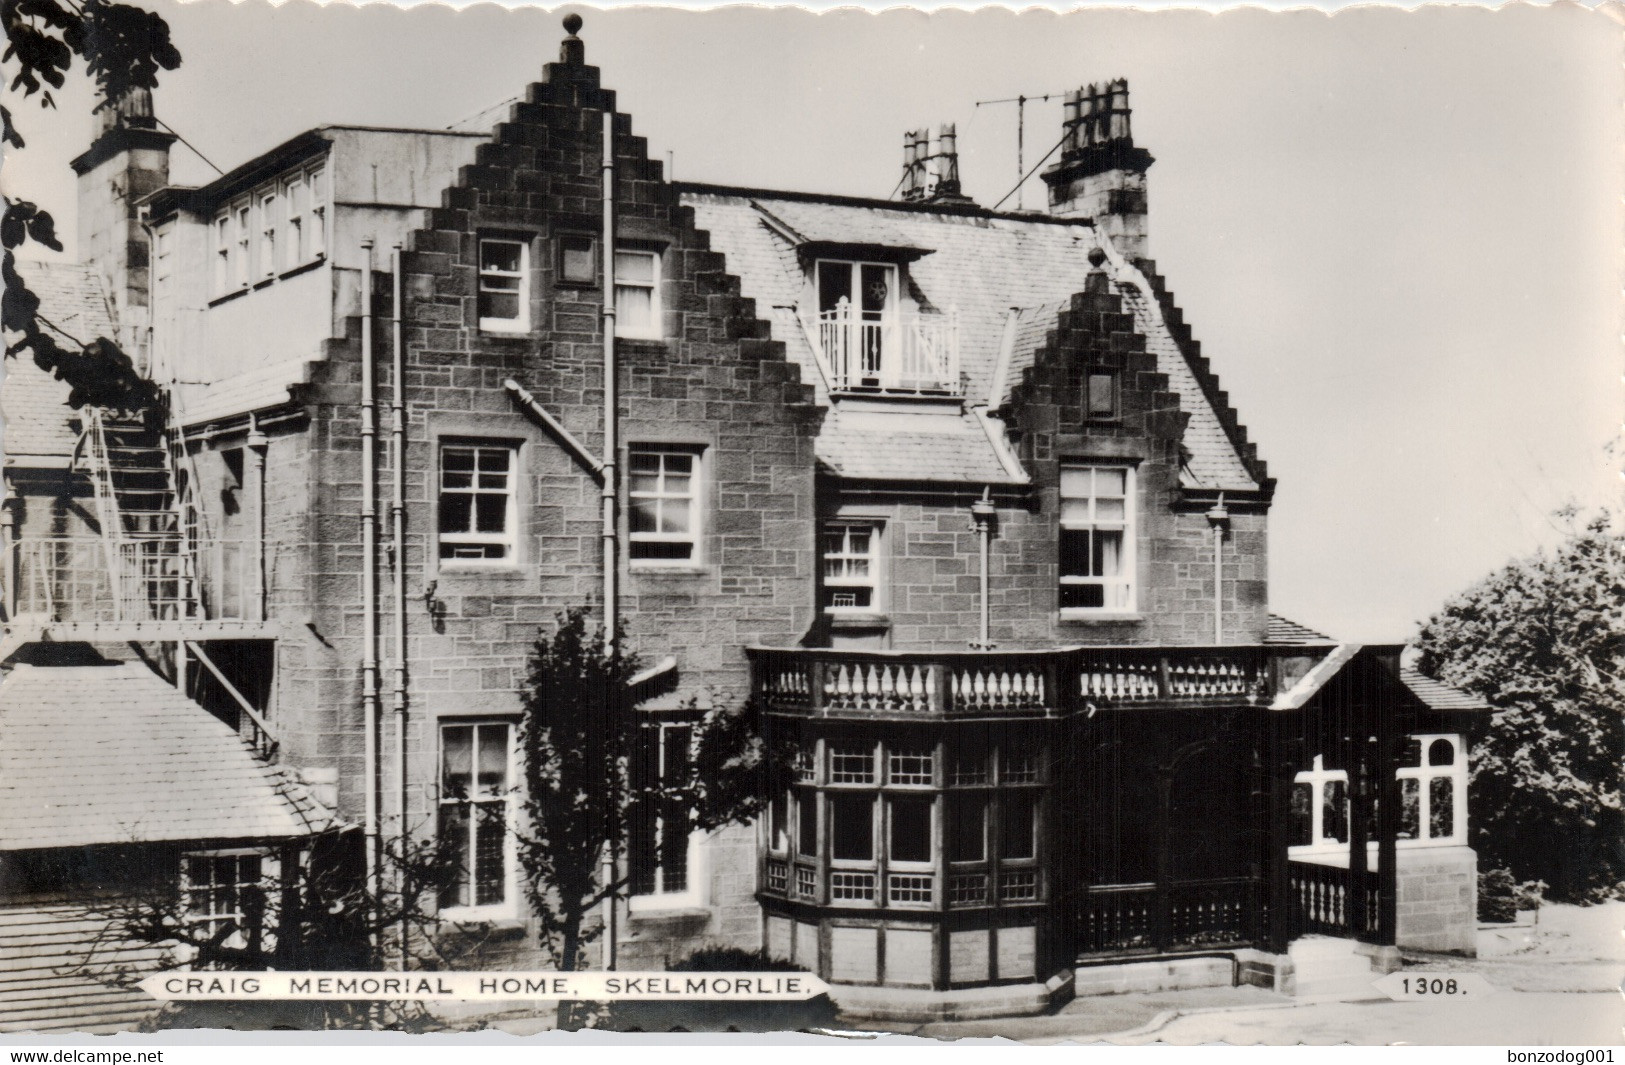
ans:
(1543, 640)
(123, 48)
(320, 916)
(580, 739)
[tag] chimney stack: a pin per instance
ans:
(931, 167)
(128, 160)
(1101, 174)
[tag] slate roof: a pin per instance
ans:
(1437, 694)
(891, 445)
(112, 754)
(986, 267)
(1286, 631)
(32, 402)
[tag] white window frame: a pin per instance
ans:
(318, 213)
(652, 329)
(696, 497)
(1424, 775)
(848, 374)
(222, 253)
(1120, 594)
(694, 893)
(271, 205)
(875, 557)
(1318, 777)
(509, 906)
(163, 242)
(296, 194)
(242, 214)
(190, 889)
(508, 539)
(520, 322)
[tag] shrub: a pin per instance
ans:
(1497, 896)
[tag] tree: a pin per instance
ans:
(123, 48)
(1543, 641)
(581, 742)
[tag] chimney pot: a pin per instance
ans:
(572, 50)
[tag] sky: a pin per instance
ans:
(1396, 234)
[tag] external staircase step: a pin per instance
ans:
(1324, 965)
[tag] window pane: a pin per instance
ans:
(674, 516)
(1111, 482)
(634, 307)
(490, 834)
(910, 829)
(876, 294)
(493, 763)
(1108, 559)
(501, 255)
(1075, 554)
(1082, 596)
(967, 828)
(1441, 808)
(643, 516)
(1334, 813)
(1302, 829)
(1410, 808)
(492, 513)
(455, 510)
(807, 823)
(634, 266)
(1441, 752)
(1102, 397)
(499, 305)
(852, 829)
(457, 760)
(646, 462)
(1016, 815)
(834, 284)
(1076, 483)
(1110, 510)
(453, 835)
(778, 823)
(851, 763)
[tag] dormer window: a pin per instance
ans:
(871, 342)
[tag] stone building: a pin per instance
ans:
(951, 492)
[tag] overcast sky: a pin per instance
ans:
(1395, 234)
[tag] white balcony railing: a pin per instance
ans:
(899, 352)
(89, 579)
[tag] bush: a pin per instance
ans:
(1497, 896)
(722, 1016)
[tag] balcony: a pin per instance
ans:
(150, 587)
(1050, 683)
(905, 352)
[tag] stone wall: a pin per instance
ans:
(715, 384)
(1438, 899)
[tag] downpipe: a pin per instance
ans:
(608, 489)
(369, 573)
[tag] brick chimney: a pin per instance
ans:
(1101, 174)
(931, 167)
(128, 160)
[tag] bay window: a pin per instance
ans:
(910, 823)
(1096, 539)
(474, 811)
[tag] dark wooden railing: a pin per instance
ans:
(1014, 683)
(1181, 915)
(1321, 903)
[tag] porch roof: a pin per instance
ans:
(107, 754)
(1437, 694)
